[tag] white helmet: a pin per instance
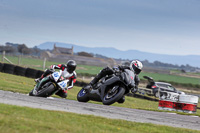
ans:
(136, 66)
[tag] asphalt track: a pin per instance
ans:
(135, 115)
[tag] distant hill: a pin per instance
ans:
(192, 60)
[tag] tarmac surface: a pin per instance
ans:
(135, 115)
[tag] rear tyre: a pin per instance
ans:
(121, 100)
(46, 90)
(82, 96)
(111, 98)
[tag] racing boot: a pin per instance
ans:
(90, 86)
(46, 72)
(37, 80)
(134, 90)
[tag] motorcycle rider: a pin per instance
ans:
(135, 66)
(68, 72)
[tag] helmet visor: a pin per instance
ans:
(136, 70)
(71, 69)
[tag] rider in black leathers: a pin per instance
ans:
(135, 66)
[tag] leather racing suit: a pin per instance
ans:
(71, 76)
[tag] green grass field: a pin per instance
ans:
(14, 119)
(171, 78)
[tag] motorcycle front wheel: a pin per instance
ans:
(46, 90)
(82, 96)
(112, 97)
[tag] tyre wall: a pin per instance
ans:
(39, 73)
(1, 66)
(8, 68)
(31, 73)
(20, 70)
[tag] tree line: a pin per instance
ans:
(11, 48)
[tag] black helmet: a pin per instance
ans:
(71, 66)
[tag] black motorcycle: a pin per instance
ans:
(109, 89)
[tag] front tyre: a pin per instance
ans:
(46, 90)
(82, 96)
(112, 97)
(31, 93)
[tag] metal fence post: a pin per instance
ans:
(3, 56)
(44, 64)
(19, 59)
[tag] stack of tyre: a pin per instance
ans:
(168, 100)
(187, 103)
(19, 70)
(178, 102)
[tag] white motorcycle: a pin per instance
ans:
(50, 84)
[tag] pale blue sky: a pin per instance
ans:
(156, 26)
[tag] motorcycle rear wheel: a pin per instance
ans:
(121, 100)
(110, 99)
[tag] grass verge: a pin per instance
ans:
(27, 120)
